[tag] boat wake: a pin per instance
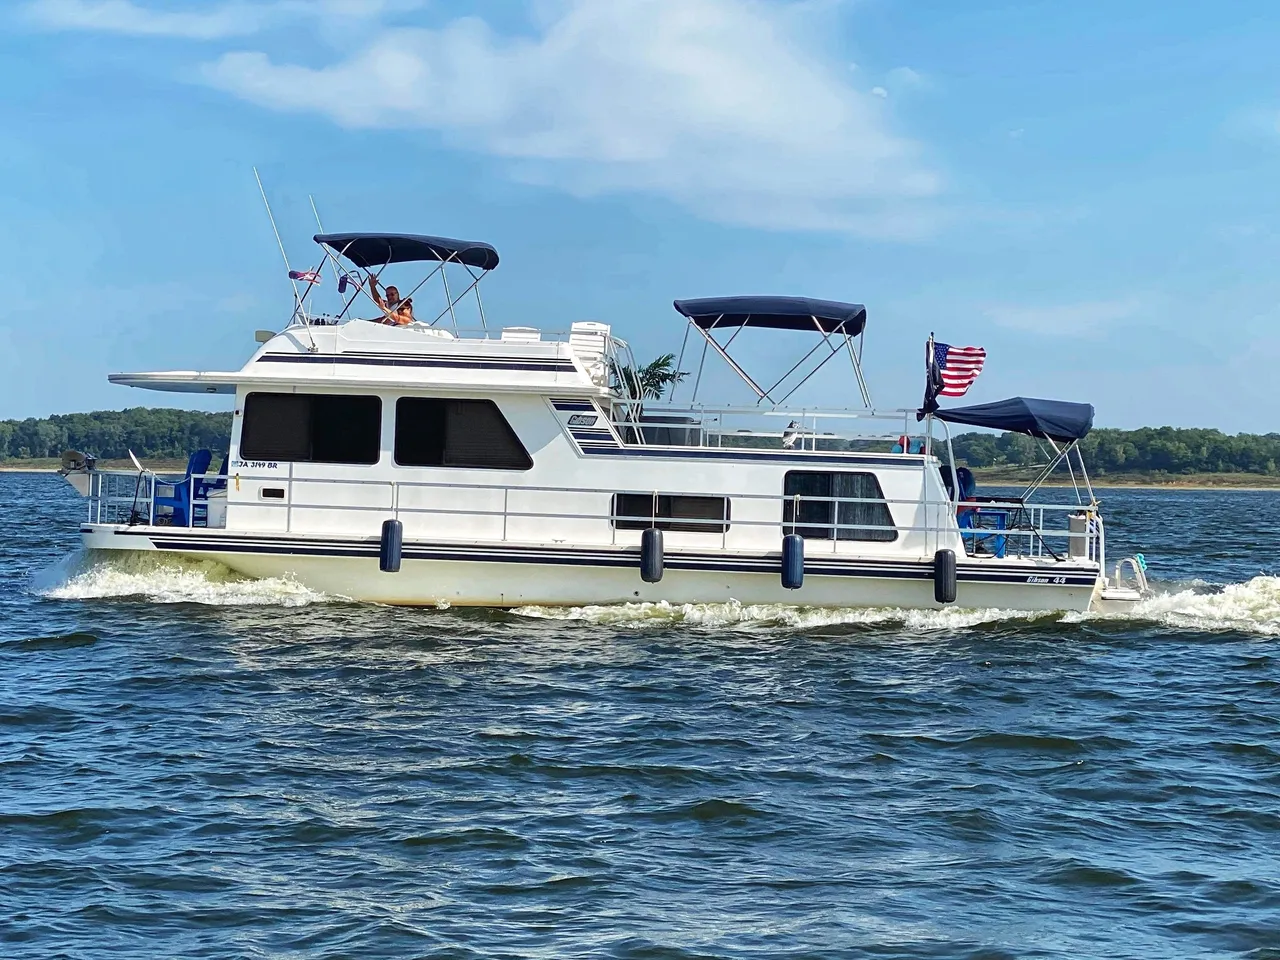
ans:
(104, 575)
(733, 613)
(1250, 607)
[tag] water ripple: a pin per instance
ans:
(196, 765)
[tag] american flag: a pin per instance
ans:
(959, 367)
(306, 276)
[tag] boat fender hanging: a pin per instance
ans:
(793, 561)
(944, 576)
(391, 546)
(651, 555)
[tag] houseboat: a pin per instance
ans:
(385, 455)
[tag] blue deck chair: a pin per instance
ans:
(180, 501)
(203, 488)
(979, 518)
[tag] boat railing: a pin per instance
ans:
(801, 429)
(990, 527)
(493, 334)
(127, 497)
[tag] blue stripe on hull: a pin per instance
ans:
(624, 557)
(574, 406)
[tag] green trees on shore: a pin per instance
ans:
(111, 434)
(165, 433)
(1147, 450)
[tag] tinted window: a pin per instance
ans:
(311, 428)
(638, 511)
(817, 515)
(436, 432)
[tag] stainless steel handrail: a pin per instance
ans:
(1034, 532)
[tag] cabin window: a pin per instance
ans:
(311, 428)
(435, 432)
(639, 511)
(816, 515)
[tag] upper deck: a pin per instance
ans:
(358, 353)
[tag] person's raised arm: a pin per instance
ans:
(388, 315)
(373, 292)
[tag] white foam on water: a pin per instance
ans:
(1250, 607)
(97, 575)
(734, 613)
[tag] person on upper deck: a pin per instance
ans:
(398, 312)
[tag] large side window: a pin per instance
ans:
(638, 511)
(437, 432)
(811, 505)
(311, 428)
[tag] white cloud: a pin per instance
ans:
(1068, 319)
(710, 103)
(208, 21)
(905, 78)
(722, 106)
(122, 16)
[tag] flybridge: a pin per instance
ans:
(374, 252)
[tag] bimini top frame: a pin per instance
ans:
(1058, 423)
(376, 251)
(838, 323)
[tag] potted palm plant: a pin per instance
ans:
(651, 382)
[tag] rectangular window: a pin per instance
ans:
(817, 516)
(436, 432)
(639, 511)
(311, 428)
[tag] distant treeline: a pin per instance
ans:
(164, 433)
(111, 434)
(1148, 450)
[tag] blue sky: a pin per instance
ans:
(1089, 190)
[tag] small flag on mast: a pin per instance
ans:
(958, 367)
(305, 276)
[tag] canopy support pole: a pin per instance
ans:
(1066, 456)
(473, 285)
(683, 343)
(342, 271)
(1044, 473)
(702, 363)
(733, 363)
(444, 278)
(856, 358)
(1088, 484)
(826, 339)
(421, 283)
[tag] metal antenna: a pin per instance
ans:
(297, 298)
(337, 272)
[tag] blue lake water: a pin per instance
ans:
(194, 765)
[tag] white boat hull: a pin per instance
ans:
(551, 575)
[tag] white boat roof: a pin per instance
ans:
(359, 353)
